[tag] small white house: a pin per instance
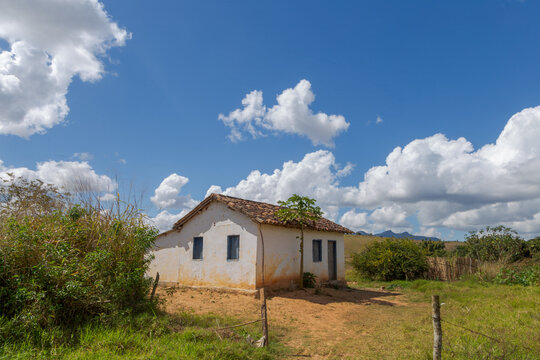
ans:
(226, 241)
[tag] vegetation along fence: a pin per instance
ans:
(450, 269)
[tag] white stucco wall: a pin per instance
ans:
(282, 256)
(174, 251)
(166, 254)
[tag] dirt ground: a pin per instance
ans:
(322, 324)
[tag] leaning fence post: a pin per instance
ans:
(155, 287)
(264, 318)
(437, 330)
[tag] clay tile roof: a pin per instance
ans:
(259, 212)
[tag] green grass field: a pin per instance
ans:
(510, 315)
(164, 336)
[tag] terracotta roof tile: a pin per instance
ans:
(259, 212)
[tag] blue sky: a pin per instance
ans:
(169, 69)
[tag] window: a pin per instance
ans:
(317, 250)
(233, 247)
(197, 248)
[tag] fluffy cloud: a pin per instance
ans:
(165, 220)
(392, 217)
(70, 176)
(214, 189)
(449, 184)
(50, 43)
(166, 195)
(442, 182)
(317, 175)
(354, 220)
(292, 115)
(107, 197)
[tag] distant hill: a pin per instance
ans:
(391, 234)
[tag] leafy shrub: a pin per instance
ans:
(528, 276)
(63, 263)
(494, 244)
(534, 248)
(310, 280)
(390, 259)
(460, 251)
(433, 248)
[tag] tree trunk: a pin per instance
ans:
(301, 282)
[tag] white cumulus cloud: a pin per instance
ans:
(354, 220)
(292, 115)
(70, 176)
(392, 217)
(167, 194)
(447, 183)
(316, 175)
(51, 41)
(444, 183)
(164, 220)
(166, 197)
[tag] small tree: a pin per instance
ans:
(301, 211)
(498, 243)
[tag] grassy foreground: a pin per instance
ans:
(183, 336)
(509, 315)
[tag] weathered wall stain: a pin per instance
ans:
(282, 255)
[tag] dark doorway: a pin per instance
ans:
(332, 259)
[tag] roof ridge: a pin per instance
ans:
(237, 198)
(259, 212)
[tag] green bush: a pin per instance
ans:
(528, 276)
(310, 279)
(494, 244)
(534, 248)
(433, 248)
(63, 263)
(390, 259)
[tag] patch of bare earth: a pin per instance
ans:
(324, 323)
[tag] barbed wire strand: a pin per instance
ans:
(487, 336)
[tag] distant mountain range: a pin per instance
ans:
(391, 234)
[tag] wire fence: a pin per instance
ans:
(498, 349)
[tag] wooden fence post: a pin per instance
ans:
(437, 330)
(262, 294)
(155, 286)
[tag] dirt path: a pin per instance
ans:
(328, 323)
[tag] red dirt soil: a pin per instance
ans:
(319, 323)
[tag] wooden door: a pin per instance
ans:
(332, 260)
